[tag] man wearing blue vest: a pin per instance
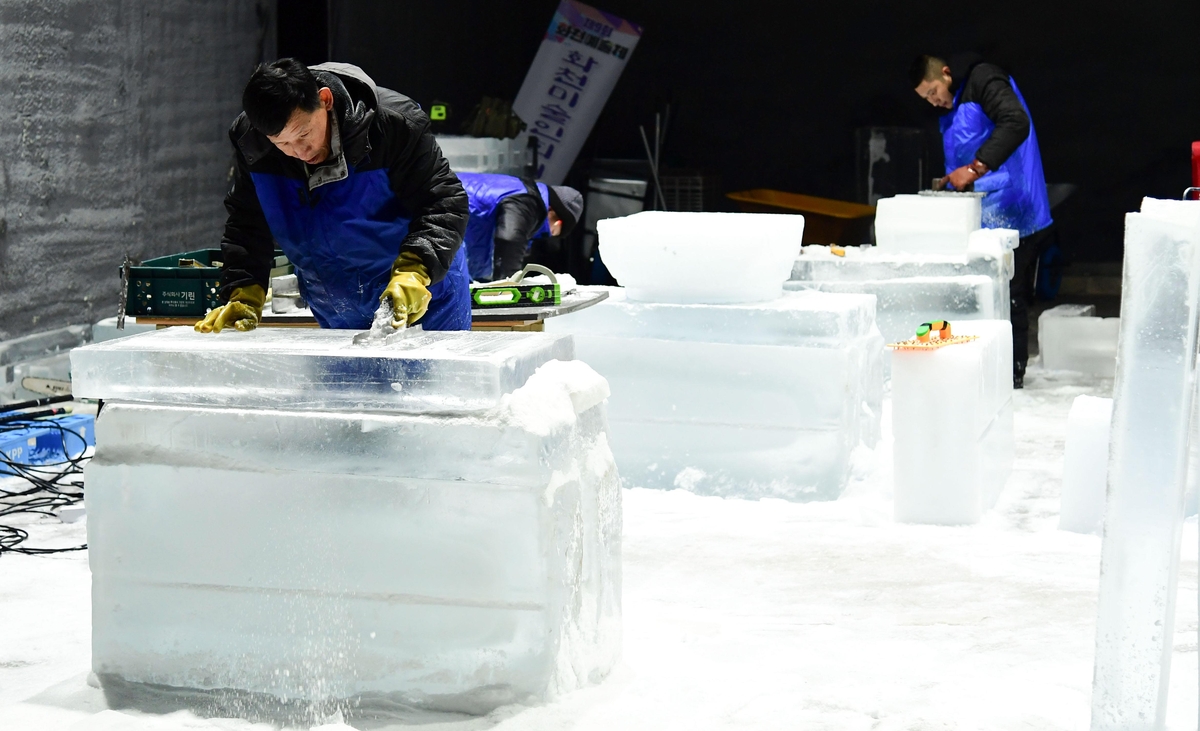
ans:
(506, 213)
(347, 179)
(991, 147)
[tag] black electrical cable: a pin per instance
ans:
(36, 402)
(28, 415)
(53, 485)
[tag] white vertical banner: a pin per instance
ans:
(576, 68)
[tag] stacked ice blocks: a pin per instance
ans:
(1148, 456)
(1085, 465)
(434, 522)
(1072, 338)
(953, 421)
(912, 288)
(748, 400)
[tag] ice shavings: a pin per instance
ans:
(554, 395)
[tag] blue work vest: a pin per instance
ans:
(1016, 191)
(343, 238)
(485, 191)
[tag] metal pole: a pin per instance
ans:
(653, 167)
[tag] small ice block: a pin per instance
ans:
(952, 417)
(919, 224)
(1072, 338)
(1085, 465)
(314, 369)
(674, 257)
(322, 558)
(755, 400)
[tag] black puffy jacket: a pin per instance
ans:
(987, 85)
(379, 128)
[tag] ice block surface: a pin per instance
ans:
(1143, 520)
(1085, 465)
(756, 400)
(662, 256)
(454, 562)
(1072, 338)
(926, 224)
(952, 417)
(788, 320)
(862, 263)
(903, 304)
(315, 369)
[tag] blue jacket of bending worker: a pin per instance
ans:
(347, 179)
(991, 147)
(506, 213)
(988, 139)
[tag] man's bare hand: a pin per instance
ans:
(962, 178)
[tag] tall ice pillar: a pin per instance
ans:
(1148, 452)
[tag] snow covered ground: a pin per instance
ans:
(751, 615)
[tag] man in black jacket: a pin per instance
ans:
(991, 147)
(347, 179)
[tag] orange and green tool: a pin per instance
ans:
(932, 335)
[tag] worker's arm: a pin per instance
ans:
(1001, 105)
(247, 247)
(518, 218)
(429, 194)
(247, 251)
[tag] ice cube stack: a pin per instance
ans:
(932, 261)
(953, 421)
(763, 398)
(288, 515)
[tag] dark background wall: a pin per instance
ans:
(113, 141)
(769, 94)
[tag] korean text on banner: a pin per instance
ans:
(575, 70)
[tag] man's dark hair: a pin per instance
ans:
(925, 68)
(275, 91)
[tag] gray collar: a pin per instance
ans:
(326, 173)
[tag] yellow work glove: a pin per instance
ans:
(408, 290)
(242, 313)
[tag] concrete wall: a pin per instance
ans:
(112, 141)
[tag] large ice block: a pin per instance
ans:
(675, 257)
(1072, 338)
(313, 369)
(952, 417)
(916, 288)
(289, 562)
(923, 224)
(762, 400)
(903, 304)
(1152, 401)
(1085, 465)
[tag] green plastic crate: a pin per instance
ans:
(162, 287)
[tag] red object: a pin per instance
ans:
(1196, 167)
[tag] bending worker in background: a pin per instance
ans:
(990, 144)
(347, 179)
(507, 212)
